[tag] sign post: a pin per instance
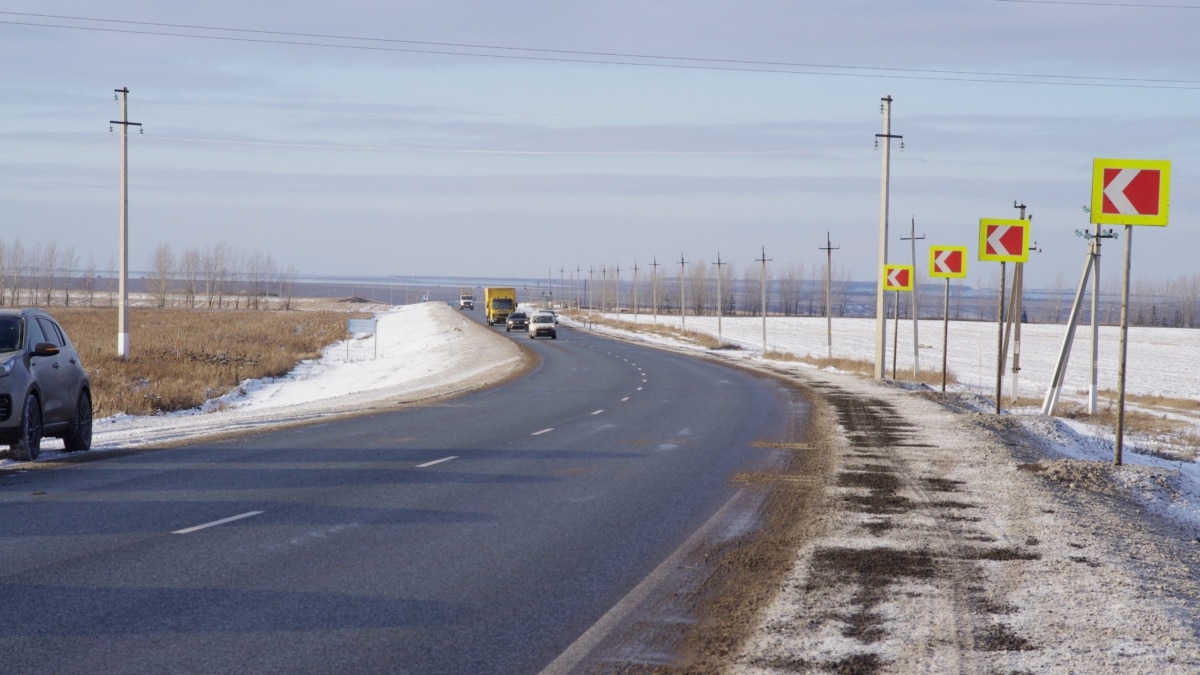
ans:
(1128, 192)
(1002, 241)
(947, 262)
(897, 278)
(361, 326)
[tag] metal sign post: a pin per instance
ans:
(947, 262)
(1128, 192)
(362, 326)
(1002, 241)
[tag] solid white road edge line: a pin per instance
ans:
(436, 461)
(214, 523)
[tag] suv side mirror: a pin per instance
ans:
(45, 349)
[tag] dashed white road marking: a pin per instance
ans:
(436, 461)
(543, 431)
(230, 519)
(598, 411)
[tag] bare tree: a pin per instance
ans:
(190, 265)
(286, 282)
(70, 260)
(162, 270)
(699, 295)
(791, 289)
(89, 279)
(33, 257)
(49, 263)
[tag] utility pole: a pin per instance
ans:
(618, 273)
(654, 288)
(720, 300)
(682, 294)
(880, 301)
(591, 283)
(635, 291)
(915, 292)
(122, 95)
(829, 249)
(578, 283)
(1015, 313)
(604, 289)
(764, 260)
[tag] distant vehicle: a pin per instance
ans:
(44, 390)
(518, 320)
(543, 324)
(498, 302)
(466, 299)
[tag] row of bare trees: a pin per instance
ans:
(219, 276)
(213, 277)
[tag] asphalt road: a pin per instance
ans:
(485, 534)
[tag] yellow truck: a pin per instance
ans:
(499, 301)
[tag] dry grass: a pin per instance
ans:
(1171, 437)
(695, 337)
(181, 358)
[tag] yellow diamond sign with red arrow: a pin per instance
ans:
(1130, 191)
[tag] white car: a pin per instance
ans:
(542, 324)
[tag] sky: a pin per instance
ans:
(530, 139)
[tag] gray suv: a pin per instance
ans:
(44, 390)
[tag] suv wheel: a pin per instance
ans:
(79, 435)
(28, 446)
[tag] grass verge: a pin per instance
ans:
(180, 358)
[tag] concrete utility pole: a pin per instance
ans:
(654, 287)
(604, 289)
(829, 249)
(682, 293)
(912, 237)
(1015, 312)
(635, 291)
(617, 270)
(591, 283)
(880, 301)
(720, 300)
(122, 95)
(764, 260)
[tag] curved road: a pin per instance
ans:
(485, 534)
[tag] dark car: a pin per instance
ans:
(542, 325)
(44, 390)
(518, 320)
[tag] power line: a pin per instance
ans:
(606, 58)
(1100, 4)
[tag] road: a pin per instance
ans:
(484, 534)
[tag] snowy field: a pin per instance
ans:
(1161, 361)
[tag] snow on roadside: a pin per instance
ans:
(1049, 558)
(419, 352)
